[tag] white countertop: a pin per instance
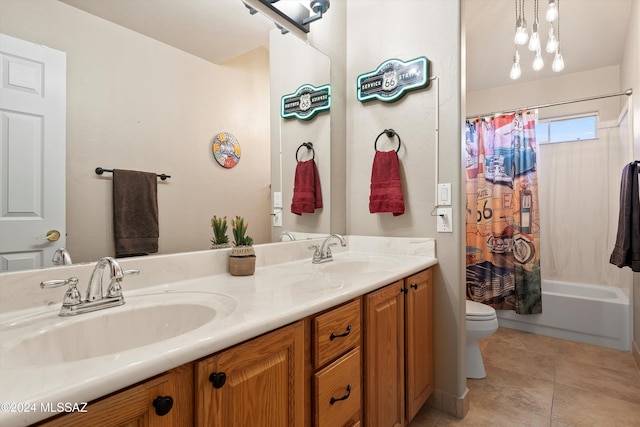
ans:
(276, 295)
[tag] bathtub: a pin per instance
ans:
(591, 314)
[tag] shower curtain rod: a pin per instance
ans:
(628, 92)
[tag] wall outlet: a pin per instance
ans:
(445, 220)
(277, 218)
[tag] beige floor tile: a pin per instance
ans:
(624, 385)
(520, 390)
(531, 342)
(489, 413)
(520, 360)
(597, 356)
(577, 407)
(426, 417)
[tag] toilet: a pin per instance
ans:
(481, 323)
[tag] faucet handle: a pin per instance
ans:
(316, 252)
(71, 296)
(115, 289)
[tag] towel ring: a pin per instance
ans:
(390, 134)
(309, 146)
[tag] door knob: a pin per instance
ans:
(52, 235)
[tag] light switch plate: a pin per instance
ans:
(444, 194)
(445, 220)
(277, 199)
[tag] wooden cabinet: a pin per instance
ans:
(337, 365)
(256, 383)
(418, 342)
(398, 348)
(140, 405)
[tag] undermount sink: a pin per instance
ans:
(143, 320)
(350, 265)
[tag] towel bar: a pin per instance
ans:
(100, 171)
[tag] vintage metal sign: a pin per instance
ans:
(392, 79)
(306, 102)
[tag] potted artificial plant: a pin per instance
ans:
(220, 239)
(242, 261)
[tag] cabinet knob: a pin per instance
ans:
(163, 405)
(218, 379)
(415, 286)
(404, 290)
(345, 397)
(346, 332)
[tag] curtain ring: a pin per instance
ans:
(309, 146)
(390, 134)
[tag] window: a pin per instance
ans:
(564, 129)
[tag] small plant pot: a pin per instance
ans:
(242, 261)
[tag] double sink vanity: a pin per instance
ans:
(344, 342)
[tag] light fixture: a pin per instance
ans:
(297, 13)
(558, 60)
(552, 11)
(516, 72)
(552, 43)
(538, 62)
(521, 36)
(534, 40)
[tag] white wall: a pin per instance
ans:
(404, 29)
(630, 78)
(136, 103)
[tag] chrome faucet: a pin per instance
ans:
(287, 234)
(73, 303)
(323, 253)
(61, 257)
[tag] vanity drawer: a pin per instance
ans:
(336, 332)
(339, 383)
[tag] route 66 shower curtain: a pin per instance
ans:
(502, 220)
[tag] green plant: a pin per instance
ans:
(219, 226)
(239, 228)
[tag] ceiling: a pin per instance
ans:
(592, 32)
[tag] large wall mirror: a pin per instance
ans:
(134, 101)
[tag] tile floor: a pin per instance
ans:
(534, 380)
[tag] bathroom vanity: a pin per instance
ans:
(345, 343)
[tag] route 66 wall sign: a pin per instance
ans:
(305, 102)
(392, 79)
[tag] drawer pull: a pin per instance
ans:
(347, 332)
(345, 397)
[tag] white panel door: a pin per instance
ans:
(32, 153)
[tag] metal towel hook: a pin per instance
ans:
(309, 146)
(390, 134)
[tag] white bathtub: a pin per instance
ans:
(591, 314)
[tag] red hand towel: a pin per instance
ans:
(307, 193)
(386, 186)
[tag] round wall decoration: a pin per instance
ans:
(226, 149)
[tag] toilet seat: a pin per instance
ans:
(479, 312)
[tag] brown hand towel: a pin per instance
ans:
(386, 186)
(135, 212)
(307, 192)
(626, 252)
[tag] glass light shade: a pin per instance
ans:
(558, 62)
(538, 62)
(534, 40)
(516, 72)
(552, 11)
(521, 36)
(552, 43)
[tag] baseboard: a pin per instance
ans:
(450, 404)
(636, 353)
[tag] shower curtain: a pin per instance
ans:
(502, 220)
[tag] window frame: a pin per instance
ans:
(549, 120)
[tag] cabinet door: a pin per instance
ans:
(135, 406)
(418, 341)
(257, 383)
(384, 357)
